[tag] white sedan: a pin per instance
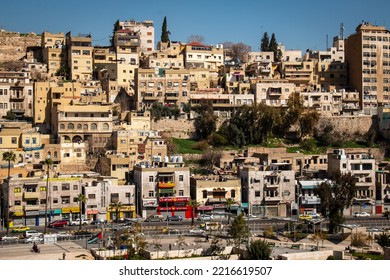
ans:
(9, 238)
(197, 231)
(32, 239)
(361, 214)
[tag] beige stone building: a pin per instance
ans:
(163, 187)
(169, 87)
(211, 192)
(54, 51)
(167, 56)
(269, 190)
(362, 166)
(367, 53)
(16, 94)
(202, 56)
(143, 34)
(273, 92)
(79, 55)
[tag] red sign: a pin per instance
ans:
(173, 199)
(174, 208)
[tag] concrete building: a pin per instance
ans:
(362, 166)
(202, 56)
(368, 58)
(167, 56)
(383, 188)
(16, 94)
(163, 187)
(79, 55)
(54, 51)
(268, 190)
(143, 33)
(169, 87)
(273, 92)
(211, 192)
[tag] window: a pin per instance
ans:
(75, 187)
(55, 188)
(93, 126)
(151, 179)
(70, 126)
(55, 200)
(181, 178)
(13, 140)
(17, 190)
(65, 199)
(114, 197)
(91, 196)
(34, 140)
(181, 193)
(105, 126)
(65, 187)
(232, 193)
(151, 193)
(204, 194)
(257, 193)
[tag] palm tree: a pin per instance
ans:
(48, 162)
(229, 202)
(8, 156)
(193, 204)
(259, 250)
(117, 206)
(81, 199)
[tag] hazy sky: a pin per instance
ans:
(297, 24)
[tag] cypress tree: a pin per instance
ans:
(264, 45)
(164, 31)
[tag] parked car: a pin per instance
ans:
(98, 222)
(170, 231)
(154, 218)
(32, 233)
(205, 217)
(174, 218)
(197, 231)
(32, 239)
(58, 223)
(19, 229)
(63, 234)
(305, 217)
(9, 238)
(250, 217)
(361, 214)
(77, 222)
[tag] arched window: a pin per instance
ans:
(105, 126)
(70, 126)
(62, 127)
(85, 127)
(55, 155)
(79, 126)
(66, 139)
(93, 126)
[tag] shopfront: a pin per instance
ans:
(174, 206)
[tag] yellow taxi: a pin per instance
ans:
(20, 229)
(305, 217)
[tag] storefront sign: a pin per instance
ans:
(92, 212)
(205, 208)
(149, 202)
(70, 209)
(32, 213)
(172, 208)
(173, 199)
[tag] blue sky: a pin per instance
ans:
(297, 24)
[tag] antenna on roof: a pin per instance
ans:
(342, 31)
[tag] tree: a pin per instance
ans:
(383, 240)
(8, 157)
(82, 199)
(264, 45)
(164, 31)
(157, 244)
(335, 197)
(273, 47)
(193, 204)
(114, 30)
(239, 230)
(10, 115)
(196, 38)
(237, 51)
(206, 122)
(259, 250)
(48, 162)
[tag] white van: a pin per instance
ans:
(32, 233)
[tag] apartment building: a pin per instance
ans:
(82, 129)
(383, 188)
(79, 55)
(163, 187)
(197, 55)
(362, 166)
(169, 87)
(16, 94)
(168, 55)
(211, 192)
(367, 53)
(223, 104)
(143, 33)
(54, 51)
(273, 92)
(268, 190)
(299, 72)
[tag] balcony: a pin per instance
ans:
(171, 96)
(273, 198)
(150, 96)
(165, 185)
(31, 195)
(31, 207)
(17, 97)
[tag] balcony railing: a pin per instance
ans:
(163, 185)
(31, 195)
(31, 207)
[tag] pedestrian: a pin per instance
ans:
(170, 247)
(63, 255)
(207, 238)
